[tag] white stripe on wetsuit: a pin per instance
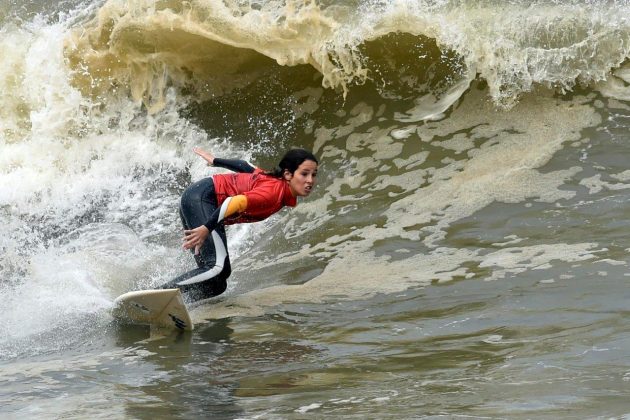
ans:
(221, 255)
(224, 208)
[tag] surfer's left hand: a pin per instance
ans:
(195, 238)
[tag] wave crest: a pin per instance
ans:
(209, 47)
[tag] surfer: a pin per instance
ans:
(247, 195)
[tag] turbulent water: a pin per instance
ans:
(464, 254)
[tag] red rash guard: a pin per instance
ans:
(265, 194)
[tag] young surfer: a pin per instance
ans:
(247, 195)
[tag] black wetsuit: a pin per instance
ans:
(199, 205)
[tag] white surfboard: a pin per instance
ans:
(162, 308)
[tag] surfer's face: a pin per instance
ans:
(302, 181)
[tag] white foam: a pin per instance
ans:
(69, 159)
(307, 408)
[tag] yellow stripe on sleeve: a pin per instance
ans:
(237, 204)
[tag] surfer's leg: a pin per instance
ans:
(184, 222)
(210, 278)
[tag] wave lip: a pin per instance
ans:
(209, 46)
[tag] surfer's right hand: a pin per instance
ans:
(207, 156)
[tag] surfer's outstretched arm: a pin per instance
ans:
(236, 165)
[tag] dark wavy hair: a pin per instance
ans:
(291, 161)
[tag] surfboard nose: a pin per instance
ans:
(161, 308)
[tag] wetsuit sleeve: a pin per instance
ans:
(236, 165)
(231, 206)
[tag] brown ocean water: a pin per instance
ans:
(465, 253)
